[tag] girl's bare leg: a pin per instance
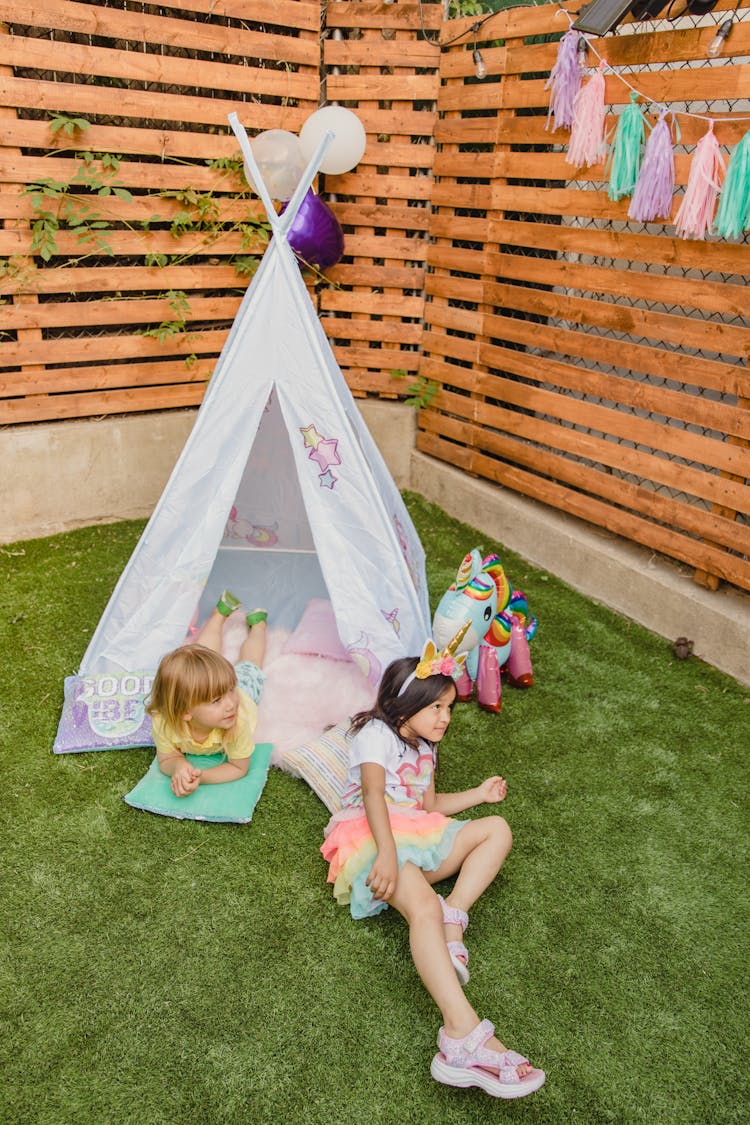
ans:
(415, 899)
(479, 851)
(210, 633)
(254, 646)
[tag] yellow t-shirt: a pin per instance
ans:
(238, 743)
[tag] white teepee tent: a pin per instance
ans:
(280, 493)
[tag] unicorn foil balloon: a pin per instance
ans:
(499, 629)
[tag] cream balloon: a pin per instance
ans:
(281, 161)
(348, 144)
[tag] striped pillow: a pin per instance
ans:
(323, 763)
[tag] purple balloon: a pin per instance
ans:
(316, 235)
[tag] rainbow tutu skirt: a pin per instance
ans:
(422, 838)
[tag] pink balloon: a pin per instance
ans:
(316, 235)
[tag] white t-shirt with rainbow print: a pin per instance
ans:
(408, 772)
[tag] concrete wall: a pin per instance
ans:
(70, 474)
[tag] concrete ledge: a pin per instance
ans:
(617, 573)
(62, 475)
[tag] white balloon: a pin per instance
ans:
(279, 156)
(348, 144)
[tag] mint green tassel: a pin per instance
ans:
(627, 149)
(733, 216)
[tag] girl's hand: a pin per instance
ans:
(185, 779)
(492, 790)
(383, 876)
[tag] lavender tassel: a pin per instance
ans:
(565, 80)
(652, 198)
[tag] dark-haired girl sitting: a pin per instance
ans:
(395, 838)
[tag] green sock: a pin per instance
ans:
(256, 617)
(227, 603)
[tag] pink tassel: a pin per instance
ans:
(654, 189)
(565, 80)
(586, 145)
(696, 214)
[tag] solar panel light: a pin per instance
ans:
(601, 16)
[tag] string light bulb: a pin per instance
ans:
(716, 46)
(583, 46)
(479, 65)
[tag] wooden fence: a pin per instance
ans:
(587, 361)
(584, 360)
(124, 291)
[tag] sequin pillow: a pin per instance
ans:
(323, 763)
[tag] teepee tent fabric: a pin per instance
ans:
(280, 495)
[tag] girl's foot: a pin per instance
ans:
(455, 922)
(479, 1059)
(256, 616)
(227, 603)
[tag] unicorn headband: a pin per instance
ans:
(434, 663)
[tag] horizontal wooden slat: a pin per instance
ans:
(671, 88)
(99, 349)
(710, 296)
(378, 359)
(391, 87)
(134, 243)
(389, 52)
(108, 279)
(94, 404)
(701, 334)
(86, 101)
(81, 314)
(526, 131)
(109, 376)
(678, 253)
(373, 14)
(303, 14)
(164, 70)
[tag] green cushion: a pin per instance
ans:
(233, 801)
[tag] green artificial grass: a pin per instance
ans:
(156, 970)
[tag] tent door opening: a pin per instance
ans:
(267, 556)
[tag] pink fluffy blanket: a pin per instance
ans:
(303, 694)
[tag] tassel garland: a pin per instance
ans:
(733, 216)
(587, 145)
(652, 198)
(565, 80)
(627, 149)
(696, 212)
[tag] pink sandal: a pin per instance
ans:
(467, 1062)
(459, 954)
